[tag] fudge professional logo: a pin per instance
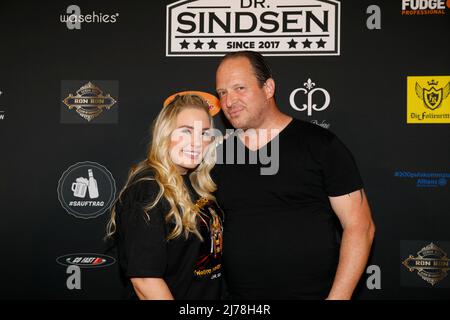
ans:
(74, 18)
(271, 27)
(309, 98)
(425, 7)
(427, 99)
(86, 190)
(86, 260)
(89, 101)
(431, 263)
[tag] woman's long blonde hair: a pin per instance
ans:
(182, 211)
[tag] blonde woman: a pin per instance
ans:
(165, 222)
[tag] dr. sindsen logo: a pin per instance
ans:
(86, 190)
(272, 27)
(431, 264)
(89, 101)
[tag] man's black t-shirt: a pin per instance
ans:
(281, 240)
(190, 267)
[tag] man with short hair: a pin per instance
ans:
(280, 235)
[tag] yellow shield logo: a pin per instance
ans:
(432, 98)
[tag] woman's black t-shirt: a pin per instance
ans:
(191, 268)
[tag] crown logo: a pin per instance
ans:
(433, 83)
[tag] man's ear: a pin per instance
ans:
(269, 88)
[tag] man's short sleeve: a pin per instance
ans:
(341, 173)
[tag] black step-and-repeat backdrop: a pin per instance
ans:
(80, 83)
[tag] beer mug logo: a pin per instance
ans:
(81, 185)
(86, 190)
